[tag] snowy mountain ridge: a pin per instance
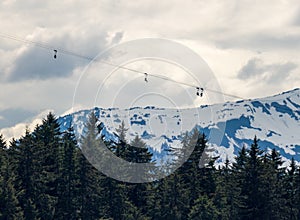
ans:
(274, 120)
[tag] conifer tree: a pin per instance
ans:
(239, 180)
(89, 188)
(291, 191)
(226, 193)
(9, 204)
(47, 146)
(138, 153)
(272, 185)
(117, 203)
(88, 200)
(25, 160)
(189, 174)
(167, 194)
(297, 181)
(199, 169)
(252, 198)
(203, 209)
(10, 208)
(66, 201)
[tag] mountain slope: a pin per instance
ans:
(274, 120)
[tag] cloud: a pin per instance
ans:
(270, 72)
(37, 63)
(252, 68)
(18, 130)
(10, 117)
(260, 41)
(296, 18)
(118, 36)
(225, 33)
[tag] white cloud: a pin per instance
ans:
(19, 129)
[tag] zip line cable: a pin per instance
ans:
(45, 46)
(57, 50)
(74, 54)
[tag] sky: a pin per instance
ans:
(245, 48)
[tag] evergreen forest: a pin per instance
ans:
(45, 175)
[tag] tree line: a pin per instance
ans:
(44, 175)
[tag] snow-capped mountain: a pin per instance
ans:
(274, 120)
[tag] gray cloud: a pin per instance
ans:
(39, 64)
(10, 117)
(252, 68)
(117, 37)
(270, 72)
(260, 41)
(296, 18)
(36, 63)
